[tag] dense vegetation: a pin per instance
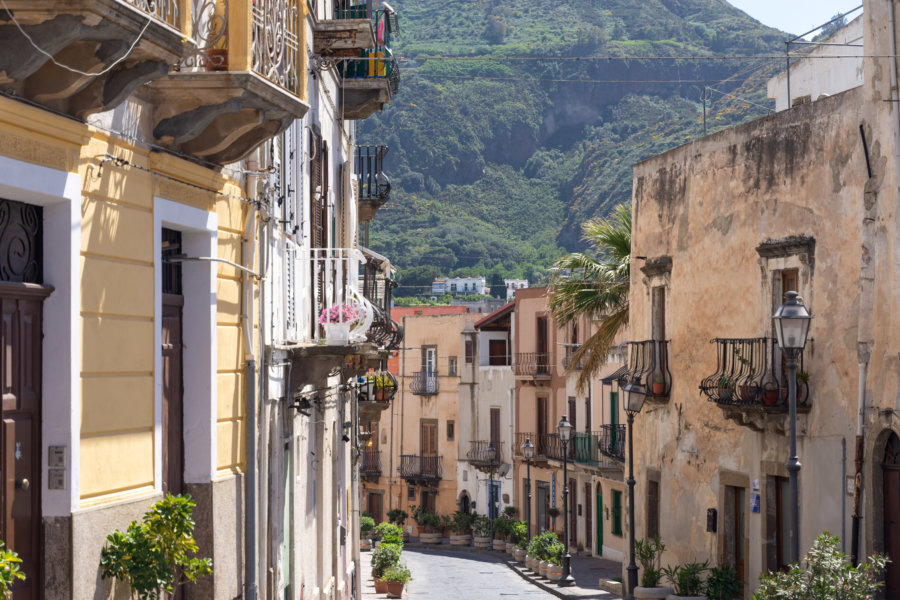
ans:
(498, 153)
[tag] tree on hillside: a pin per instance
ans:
(595, 284)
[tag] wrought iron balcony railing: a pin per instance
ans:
(612, 441)
(377, 287)
(167, 11)
(648, 367)
(533, 364)
(752, 372)
(417, 467)
(424, 383)
(349, 9)
(478, 454)
(371, 78)
(377, 386)
(370, 463)
(372, 182)
(568, 362)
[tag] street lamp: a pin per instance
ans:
(564, 428)
(491, 453)
(635, 395)
(528, 453)
(792, 322)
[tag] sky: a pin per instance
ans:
(796, 16)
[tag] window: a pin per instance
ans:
(613, 408)
(617, 513)
(470, 352)
(451, 366)
(411, 493)
(429, 360)
(451, 425)
(497, 355)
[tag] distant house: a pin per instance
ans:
(459, 285)
(512, 285)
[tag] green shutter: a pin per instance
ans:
(614, 408)
(617, 513)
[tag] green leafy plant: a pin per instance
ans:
(649, 554)
(9, 571)
(540, 545)
(825, 574)
(148, 553)
(511, 511)
(382, 381)
(397, 516)
(553, 512)
(555, 551)
(397, 572)
(802, 377)
(481, 526)
(462, 522)
(384, 557)
(389, 533)
(686, 578)
(518, 533)
(501, 527)
(366, 525)
(722, 583)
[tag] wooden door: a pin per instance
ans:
(20, 435)
(172, 367)
(890, 471)
(735, 530)
(541, 425)
(495, 429)
(429, 448)
(497, 355)
(543, 361)
(375, 506)
(588, 517)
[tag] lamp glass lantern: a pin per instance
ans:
(564, 428)
(792, 322)
(528, 449)
(635, 396)
(491, 453)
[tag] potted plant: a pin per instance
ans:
(501, 530)
(384, 557)
(151, 553)
(337, 321)
(725, 385)
(481, 526)
(687, 580)
(462, 529)
(9, 571)
(770, 394)
(366, 528)
(510, 513)
(555, 551)
(518, 535)
(398, 517)
(649, 554)
(722, 583)
(396, 576)
(430, 525)
(388, 533)
(384, 384)
(659, 385)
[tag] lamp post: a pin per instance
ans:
(792, 322)
(491, 456)
(528, 453)
(635, 395)
(564, 428)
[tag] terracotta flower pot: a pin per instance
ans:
(395, 589)
(381, 586)
(659, 389)
(770, 397)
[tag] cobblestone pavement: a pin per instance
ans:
(449, 575)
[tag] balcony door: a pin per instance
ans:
(495, 430)
(541, 424)
(172, 366)
(429, 448)
(543, 360)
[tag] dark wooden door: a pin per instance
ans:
(172, 396)
(495, 429)
(20, 435)
(588, 518)
(890, 470)
(541, 424)
(429, 448)
(543, 360)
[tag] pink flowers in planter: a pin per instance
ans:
(341, 313)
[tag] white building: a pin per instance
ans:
(460, 285)
(512, 285)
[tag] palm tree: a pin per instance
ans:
(595, 284)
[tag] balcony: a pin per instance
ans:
(244, 85)
(414, 467)
(369, 80)
(346, 31)
(648, 367)
(370, 464)
(376, 286)
(424, 383)
(611, 442)
(478, 455)
(568, 361)
(111, 48)
(373, 186)
(533, 364)
(750, 381)
(376, 390)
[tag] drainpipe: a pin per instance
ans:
(264, 418)
(863, 352)
(250, 553)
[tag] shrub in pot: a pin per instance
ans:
(501, 527)
(396, 576)
(649, 554)
(555, 551)
(389, 533)
(9, 571)
(366, 528)
(518, 535)
(722, 583)
(383, 557)
(461, 526)
(149, 554)
(481, 526)
(687, 579)
(826, 573)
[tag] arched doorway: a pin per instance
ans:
(890, 481)
(465, 503)
(599, 506)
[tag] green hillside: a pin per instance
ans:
(516, 120)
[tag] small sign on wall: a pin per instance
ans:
(754, 502)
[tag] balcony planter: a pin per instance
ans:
(460, 539)
(770, 397)
(659, 385)
(652, 593)
(337, 334)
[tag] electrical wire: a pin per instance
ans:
(66, 67)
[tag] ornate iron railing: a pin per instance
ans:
(276, 42)
(424, 383)
(648, 367)
(347, 9)
(370, 463)
(414, 466)
(568, 362)
(167, 11)
(334, 281)
(373, 183)
(752, 372)
(533, 364)
(478, 454)
(377, 386)
(376, 287)
(377, 62)
(612, 441)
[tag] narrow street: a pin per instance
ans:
(448, 575)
